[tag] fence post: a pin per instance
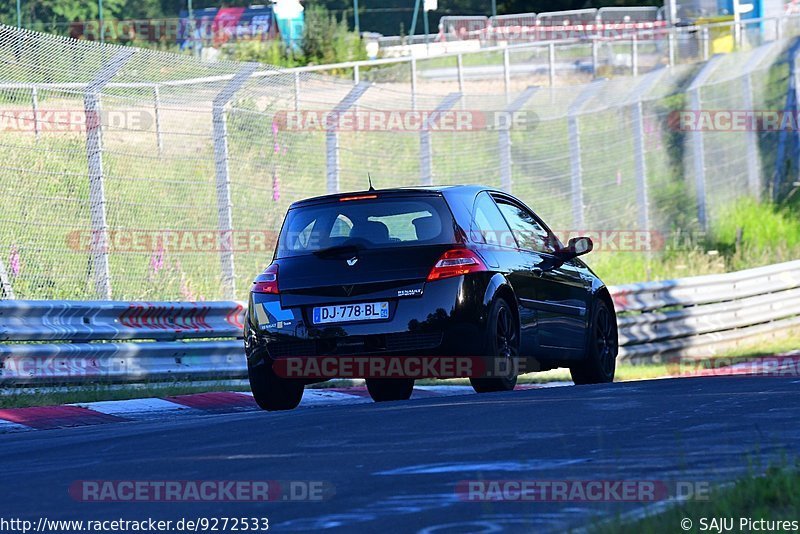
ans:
(223, 179)
(706, 36)
(506, 71)
(332, 137)
(671, 46)
(551, 63)
(35, 105)
(157, 105)
(94, 158)
(413, 67)
(460, 68)
(504, 138)
(595, 54)
(639, 149)
(751, 136)
(425, 148)
(695, 138)
(297, 91)
(356, 74)
(576, 170)
(634, 55)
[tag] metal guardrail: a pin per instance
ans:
(77, 342)
(702, 315)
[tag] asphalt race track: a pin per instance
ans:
(395, 466)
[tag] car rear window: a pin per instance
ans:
(368, 223)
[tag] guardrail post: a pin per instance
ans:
(595, 54)
(425, 148)
(35, 105)
(634, 55)
(504, 138)
(506, 71)
(696, 140)
(223, 179)
(94, 158)
(778, 28)
(356, 75)
(639, 151)
(332, 137)
(706, 37)
(551, 63)
(6, 289)
(157, 105)
(297, 91)
(576, 169)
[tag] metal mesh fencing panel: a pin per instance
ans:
(133, 174)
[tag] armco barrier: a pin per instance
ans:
(108, 341)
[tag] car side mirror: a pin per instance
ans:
(577, 246)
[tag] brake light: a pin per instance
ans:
(455, 262)
(267, 282)
(357, 197)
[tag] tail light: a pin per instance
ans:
(267, 282)
(455, 262)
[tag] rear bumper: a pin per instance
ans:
(447, 319)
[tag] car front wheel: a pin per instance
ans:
(601, 354)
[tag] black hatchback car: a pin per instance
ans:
(451, 270)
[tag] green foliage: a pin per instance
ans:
(327, 40)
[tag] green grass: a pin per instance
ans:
(771, 496)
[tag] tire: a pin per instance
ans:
(601, 353)
(502, 340)
(272, 392)
(390, 389)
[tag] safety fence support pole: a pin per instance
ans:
(671, 47)
(634, 55)
(35, 105)
(551, 63)
(595, 59)
(425, 148)
(696, 140)
(460, 68)
(576, 169)
(413, 66)
(504, 137)
(332, 136)
(751, 136)
(506, 71)
(94, 158)
(157, 106)
(6, 289)
(639, 149)
(223, 179)
(297, 91)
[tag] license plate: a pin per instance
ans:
(369, 311)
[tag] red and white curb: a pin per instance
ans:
(105, 412)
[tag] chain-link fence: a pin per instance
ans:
(133, 174)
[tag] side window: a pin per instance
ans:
(488, 225)
(529, 233)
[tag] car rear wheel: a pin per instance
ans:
(272, 392)
(503, 350)
(600, 362)
(390, 389)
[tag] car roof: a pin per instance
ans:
(447, 190)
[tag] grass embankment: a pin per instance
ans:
(772, 497)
